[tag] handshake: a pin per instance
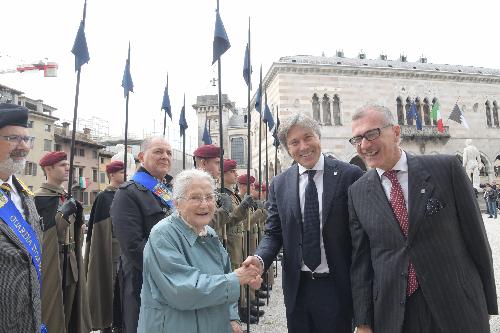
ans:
(250, 272)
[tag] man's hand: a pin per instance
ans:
(254, 262)
(247, 274)
(68, 208)
(225, 202)
(248, 202)
(254, 193)
(364, 329)
(236, 327)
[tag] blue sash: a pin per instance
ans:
(25, 233)
(157, 188)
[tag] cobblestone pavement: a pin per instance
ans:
(274, 320)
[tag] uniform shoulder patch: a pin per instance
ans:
(25, 188)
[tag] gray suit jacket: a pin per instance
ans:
(20, 309)
(447, 244)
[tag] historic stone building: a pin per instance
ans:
(331, 88)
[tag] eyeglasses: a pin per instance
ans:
(199, 199)
(369, 135)
(17, 139)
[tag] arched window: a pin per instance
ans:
(409, 119)
(427, 112)
(495, 114)
(315, 107)
(400, 112)
(434, 101)
(488, 113)
(418, 105)
(336, 110)
(327, 115)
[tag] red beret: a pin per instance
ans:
(243, 179)
(52, 158)
(207, 151)
(263, 187)
(229, 165)
(114, 166)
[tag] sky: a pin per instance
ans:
(175, 37)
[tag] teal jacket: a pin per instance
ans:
(187, 285)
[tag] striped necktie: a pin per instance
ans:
(6, 188)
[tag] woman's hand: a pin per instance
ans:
(248, 274)
(236, 327)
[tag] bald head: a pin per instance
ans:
(156, 156)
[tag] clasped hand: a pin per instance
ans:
(249, 274)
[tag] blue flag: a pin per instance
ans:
(221, 41)
(258, 102)
(207, 139)
(165, 105)
(413, 114)
(247, 68)
(268, 116)
(127, 84)
(182, 119)
(80, 49)
(276, 142)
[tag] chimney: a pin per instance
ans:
(423, 59)
(340, 53)
(402, 58)
(65, 126)
(383, 56)
(86, 132)
(362, 55)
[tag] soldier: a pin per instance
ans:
(236, 241)
(138, 205)
(260, 216)
(20, 263)
(102, 257)
(65, 305)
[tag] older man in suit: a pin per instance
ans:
(308, 217)
(421, 260)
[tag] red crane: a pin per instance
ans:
(49, 68)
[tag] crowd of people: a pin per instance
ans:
(401, 248)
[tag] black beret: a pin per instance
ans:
(12, 114)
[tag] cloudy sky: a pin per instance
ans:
(176, 37)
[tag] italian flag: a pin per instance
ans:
(436, 116)
(83, 182)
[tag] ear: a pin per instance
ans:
(397, 132)
(140, 156)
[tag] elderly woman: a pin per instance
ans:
(188, 285)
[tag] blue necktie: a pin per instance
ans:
(311, 253)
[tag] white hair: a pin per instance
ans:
(184, 179)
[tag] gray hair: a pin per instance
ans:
(149, 140)
(384, 111)
(184, 179)
(298, 119)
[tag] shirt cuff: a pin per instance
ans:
(233, 287)
(261, 261)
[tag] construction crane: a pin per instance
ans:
(49, 68)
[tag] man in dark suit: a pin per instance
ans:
(421, 259)
(308, 217)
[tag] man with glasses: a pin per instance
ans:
(307, 216)
(138, 205)
(65, 305)
(20, 253)
(421, 261)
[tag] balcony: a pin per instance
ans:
(410, 132)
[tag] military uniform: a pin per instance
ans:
(134, 212)
(102, 258)
(72, 313)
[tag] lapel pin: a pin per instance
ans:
(335, 173)
(422, 191)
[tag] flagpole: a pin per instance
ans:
(266, 280)
(184, 138)
(126, 122)
(276, 170)
(249, 156)
(260, 132)
(165, 115)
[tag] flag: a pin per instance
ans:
(165, 105)
(276, 142)
(182, 118)
(268, 117)
(258, 101)
(207, 139)
(80, 49)
(221, 41)
(82, 181)
(436, 116)
(413, 114)
(247, 68)
(127, 83)
(457, 116)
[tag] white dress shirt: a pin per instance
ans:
(402, 166)
(318, 180)
(15, 197)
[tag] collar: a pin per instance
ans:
(190, 232)
(401, 165)
(319, 166)
(58, 189)
(166, 180)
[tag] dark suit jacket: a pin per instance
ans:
(447, 244)
(284, 228)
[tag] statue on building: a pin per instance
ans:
(472, 162)
(327, 115)
(120, 155)
(315, 107)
